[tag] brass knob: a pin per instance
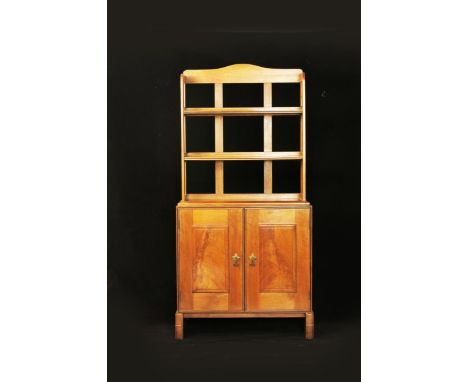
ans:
(252, 259)
(235, 260)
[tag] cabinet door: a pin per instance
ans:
(210, 259)
(278, 259)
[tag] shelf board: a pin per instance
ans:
(249, 155)
(231, 111)
(243, 197)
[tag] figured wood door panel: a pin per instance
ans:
(278, 259)
(209, 278)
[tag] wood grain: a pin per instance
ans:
(209, 268)
(277, 265)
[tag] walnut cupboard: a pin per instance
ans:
(244, 254)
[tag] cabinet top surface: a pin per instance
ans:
(183, 203)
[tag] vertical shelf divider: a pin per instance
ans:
(219, 165)
(267, 140)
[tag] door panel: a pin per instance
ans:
(209, 280)
(210, 261)
(279, 277)
(277, 261)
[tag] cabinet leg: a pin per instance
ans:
(309, 325)
(179, 326)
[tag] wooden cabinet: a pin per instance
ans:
(244, 255)
(243, 262)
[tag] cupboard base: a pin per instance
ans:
(309, 319)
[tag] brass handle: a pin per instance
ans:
(235, 260)
(252, 259)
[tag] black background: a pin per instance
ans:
(148, 47)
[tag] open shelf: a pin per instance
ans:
(244, 74)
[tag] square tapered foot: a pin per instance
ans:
(179, 326)
(309, 325)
